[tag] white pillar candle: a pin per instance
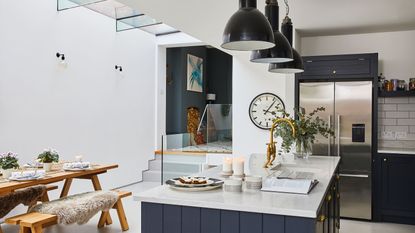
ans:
(78, 158)
(227, 165)
(238, 166)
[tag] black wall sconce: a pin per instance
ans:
(60, 56)
(119, 68)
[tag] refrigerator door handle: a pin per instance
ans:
(338, 135)
(329, 137)
(352, 175)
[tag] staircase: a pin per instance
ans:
(173, 166)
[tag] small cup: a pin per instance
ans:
(232, 185)
(253, 182)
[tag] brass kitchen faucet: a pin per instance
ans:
(271, 146)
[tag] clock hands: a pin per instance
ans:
(267, 111)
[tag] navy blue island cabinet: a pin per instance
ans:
(164, 218)
(397, 188)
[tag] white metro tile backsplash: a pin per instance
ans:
(396, 117)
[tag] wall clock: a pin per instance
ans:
(263, 110)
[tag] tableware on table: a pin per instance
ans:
(211, 183)
(253, 182)
(76, 166)
(193, 181)
(232, 185)
(27, 175)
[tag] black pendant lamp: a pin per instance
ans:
(296, 66)
(282, 51)
(248, 29)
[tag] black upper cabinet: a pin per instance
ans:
(340, 66)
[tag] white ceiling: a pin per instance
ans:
(317, 17)
(332, 17)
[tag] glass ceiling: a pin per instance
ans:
(126, 17)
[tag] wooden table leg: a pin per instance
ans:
(66, 187)
(1, 231)
(97, 187)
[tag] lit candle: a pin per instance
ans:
(227, 165)
(238, 166)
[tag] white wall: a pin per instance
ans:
(205, 20)
(86, 108)
(396, 49)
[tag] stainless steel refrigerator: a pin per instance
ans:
(349, 113)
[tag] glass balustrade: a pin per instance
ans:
(189, 153)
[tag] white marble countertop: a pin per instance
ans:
(396, 151)
(259, 202)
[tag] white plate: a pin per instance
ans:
(26, 179)
(178, 183)
(76, 169)
(195, 189)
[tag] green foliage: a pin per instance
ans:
(9, 161)
(307, 126)
(49, 156)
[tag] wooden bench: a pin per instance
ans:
(35, 222)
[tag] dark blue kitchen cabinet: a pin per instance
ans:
(397, 188)
(340, 66)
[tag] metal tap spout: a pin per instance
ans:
(271, 146)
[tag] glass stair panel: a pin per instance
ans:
(160, 29)
(125, 16)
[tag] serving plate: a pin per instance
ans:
(211, 183)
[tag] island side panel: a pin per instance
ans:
(251, 222)
(229, 221)
(151, 218)
(273, 223)
(191, 219)
(210, 221)
(172, 219)
(163, 218)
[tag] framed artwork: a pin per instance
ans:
(194, 73)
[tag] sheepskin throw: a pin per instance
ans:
(79, 208)
(27, 196)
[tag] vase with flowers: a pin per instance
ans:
(307, 126)
(48, 157)
(8, 163)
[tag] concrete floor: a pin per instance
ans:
(132, 209)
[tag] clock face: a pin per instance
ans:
(263, 110)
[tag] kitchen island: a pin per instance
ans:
(165, 210)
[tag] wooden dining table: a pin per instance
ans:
(57, 174)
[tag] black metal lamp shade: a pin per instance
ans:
(248, 29)
(293, 67)
(296, 66)
(282, 51)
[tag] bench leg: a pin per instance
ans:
(97, 187)
(103, 219)
(45, 197)
(1, 231)
(121, 215)
(66, 186)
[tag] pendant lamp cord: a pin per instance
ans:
(287, 7)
